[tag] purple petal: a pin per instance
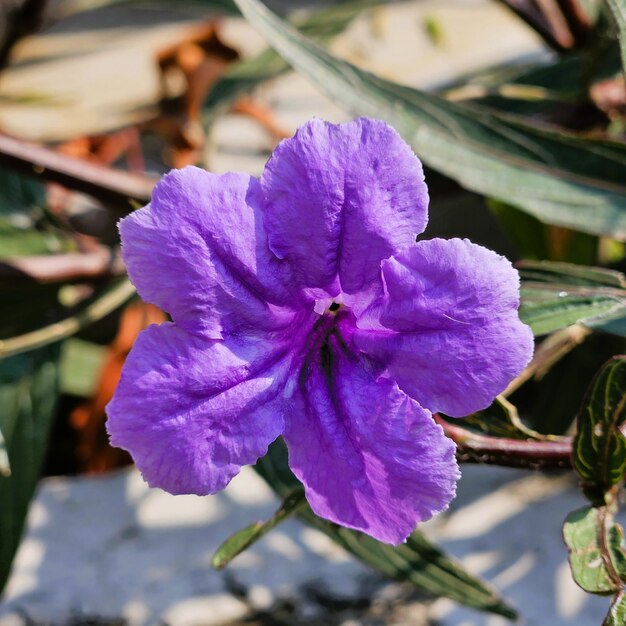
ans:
(369, 456)
(199, 251)
(447, 327)
(339, 198)
(192, 411)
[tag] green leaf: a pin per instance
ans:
(245, 75)
(582, 532)
(599, 448)
(81, 363)
(28, 393)
(249, 535)
(559, 177)
(618, 10)
(556, 295)
(617, 612)
(546, 89)
(66, 8)
(417, 561)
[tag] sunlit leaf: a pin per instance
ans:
(588, 556)
(556, 295)
(560, 177)
(249, 535)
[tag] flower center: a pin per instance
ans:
(329, 307)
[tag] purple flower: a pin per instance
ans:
(303, 307)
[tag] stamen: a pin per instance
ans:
(334, 306)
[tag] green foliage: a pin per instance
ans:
(559, 177)
(589, 552)
(599, 451)
(595, 542)
(28, 391)
(249, 535)
(555, 295)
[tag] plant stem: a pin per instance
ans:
(105, 304)
(553, 31)
(95, 264)
(117, 189)
(474, 448)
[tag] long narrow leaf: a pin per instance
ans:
(559, 177)
(29, 386)
(556, 295)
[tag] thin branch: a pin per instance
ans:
(475, 448)
(101, 262)
(577, 19)
(93, 312)
(115, 188)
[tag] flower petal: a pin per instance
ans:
(192, 411)
(339, 198)
(369, 456)
(199, 251)
(447, 327)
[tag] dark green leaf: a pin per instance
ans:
(555, 295)
(28, 393)
(65, 8)
(249, 535)
(559, 177)
(418, 561)
(527, 233)
(548, 89)
(582, 532)
(599, 450)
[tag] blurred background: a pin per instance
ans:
(97, 99)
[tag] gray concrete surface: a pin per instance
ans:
(111, 547)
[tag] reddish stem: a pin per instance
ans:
(475, 448)
(117, 189)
